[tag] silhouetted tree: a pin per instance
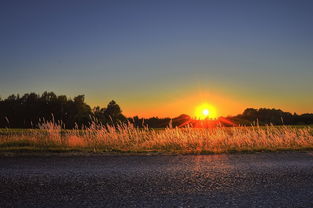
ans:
(250, 114)
(110, 115)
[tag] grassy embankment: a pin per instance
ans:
(127, 139)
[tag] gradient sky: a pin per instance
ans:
(161, 58)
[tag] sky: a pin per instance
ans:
(161, 58)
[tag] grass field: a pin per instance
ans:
(126, 138)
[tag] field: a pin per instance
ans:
(128, 139)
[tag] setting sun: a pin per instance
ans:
(205, 111)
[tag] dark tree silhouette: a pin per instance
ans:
(110, 115)
(265, 116)
(30, 109)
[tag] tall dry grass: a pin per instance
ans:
(127, 138)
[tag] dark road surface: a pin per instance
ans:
(238, 180)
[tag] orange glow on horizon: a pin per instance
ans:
(175, 104)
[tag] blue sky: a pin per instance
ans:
(151, 55)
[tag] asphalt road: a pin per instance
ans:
(238, 180)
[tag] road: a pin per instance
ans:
(235, 180)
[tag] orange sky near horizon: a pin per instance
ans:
(186, 102)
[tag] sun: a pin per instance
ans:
(205, 111)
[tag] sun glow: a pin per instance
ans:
(205, 111)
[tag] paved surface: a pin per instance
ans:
(239, 180)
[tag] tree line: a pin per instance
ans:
(29, 110)
(266, 116)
